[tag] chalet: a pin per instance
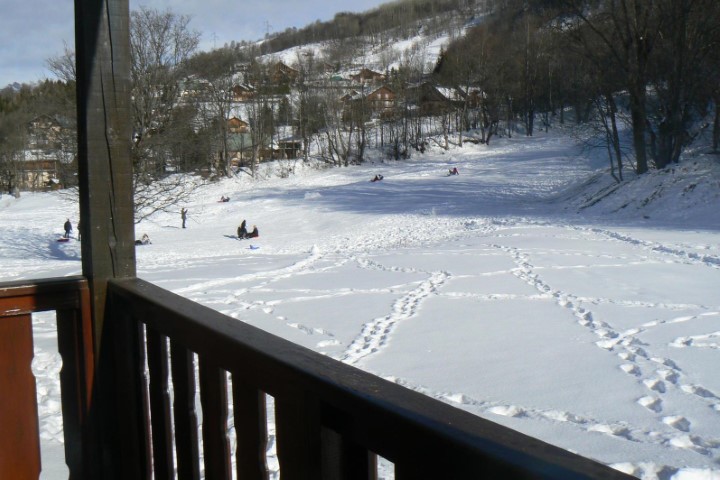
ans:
(365, 76)
(239, 141)
(235, 125)
(283, 74)
(242, 93)
(381, 99)
(193, 88)
(429, 99)
(46, 154)
(289, 148)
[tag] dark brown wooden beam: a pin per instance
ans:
(102, 43)
(117, 445)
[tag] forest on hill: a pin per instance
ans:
(636, 77)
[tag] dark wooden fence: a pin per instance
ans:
(19, 436)
(330, 418)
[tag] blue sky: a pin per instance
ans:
(32, 31)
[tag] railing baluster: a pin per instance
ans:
(213, 398)
(249, 407)
(75, 349)
(186, 432)
(297, 427)
(123, 389)
(345, 459)
(157, 356)
(19, 437)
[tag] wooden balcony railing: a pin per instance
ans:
(19, 436)
(331, 419)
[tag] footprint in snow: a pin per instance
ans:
(508, 411)
(655, 384)
(679, 422)
(651, 403)
(698, 390)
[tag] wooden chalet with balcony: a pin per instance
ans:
(367, 76)
(136, 356)
(242, 93)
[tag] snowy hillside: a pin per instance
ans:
(596, 329)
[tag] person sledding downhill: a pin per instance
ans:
(377, 178)
(454, 171)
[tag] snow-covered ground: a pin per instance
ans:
(597, 330)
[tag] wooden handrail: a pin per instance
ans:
(331, 418)
(70, 298)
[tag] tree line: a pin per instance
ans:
(649, 64)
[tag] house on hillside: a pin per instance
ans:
(242, 93)
(193, 88)
(48, 153)
(365, 76)
(239, 142)
(290, 147)
(283, 74)
(235, 125)
(382, 99)
(429, 100)
(359, 107)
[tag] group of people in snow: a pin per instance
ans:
(242, 232)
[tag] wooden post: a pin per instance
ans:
(102, 42)
(116, 430)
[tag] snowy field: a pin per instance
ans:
(595, 331)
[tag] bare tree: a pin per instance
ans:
(216, 70)
(161, 43)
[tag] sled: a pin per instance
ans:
(63, 239)
(253, 247)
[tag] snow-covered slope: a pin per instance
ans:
(596, 329)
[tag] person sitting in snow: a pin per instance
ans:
(242, 231)
(145, 240)
(254, 233)
(377, 178)
(454, 171)
(224, 199)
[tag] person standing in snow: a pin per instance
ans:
(68, 228)
(183, 215)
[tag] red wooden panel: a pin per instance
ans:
(20, 440)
